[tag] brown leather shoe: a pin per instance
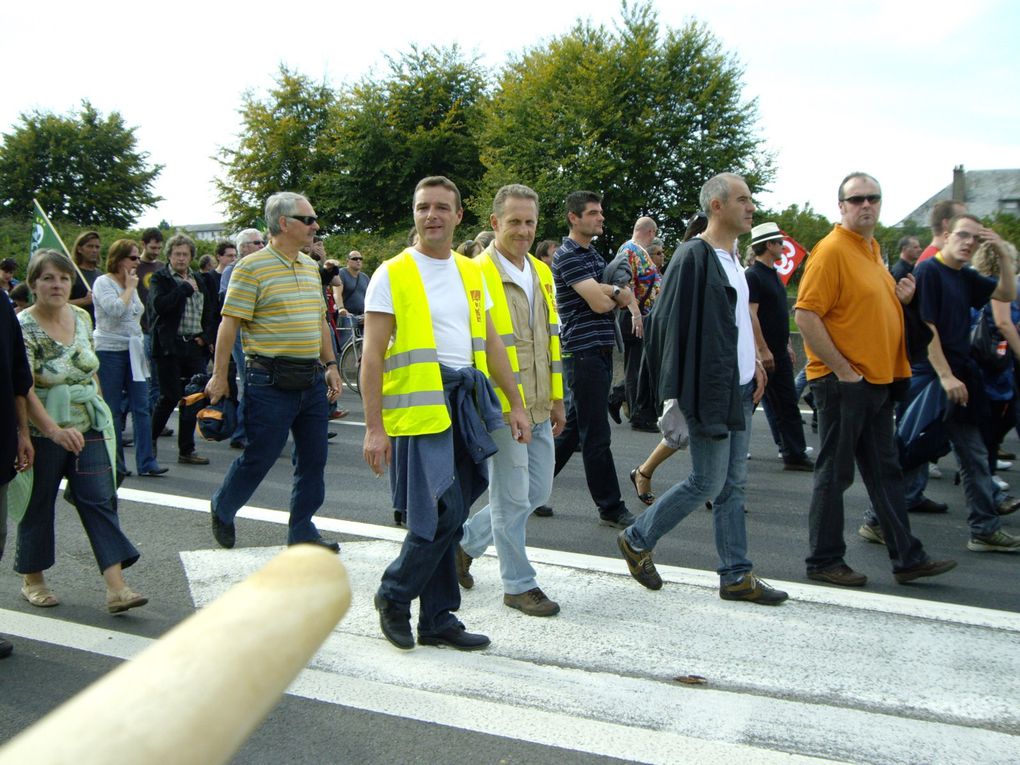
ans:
(464, 569)
(842, 575)
(928, 568)
(192, 459)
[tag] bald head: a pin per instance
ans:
(644, 231)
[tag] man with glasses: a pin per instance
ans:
(849, 312)
(275, 301)
(947, 291)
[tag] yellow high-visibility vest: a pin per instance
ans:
(413, 403)
(500, 313)
(545, 278)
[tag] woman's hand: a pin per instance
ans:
(68, 439)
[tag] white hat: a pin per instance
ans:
(765, 232)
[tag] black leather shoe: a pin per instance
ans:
(802, 464)
(331, 435)
(237, 444)
(319, 542)
(456, 637)
(929, 506)
(543, 511)
(154, 472)
(395, 623)
(614, 410)
(644, 427)
(6, 648)
(224, 532)
(621, 521)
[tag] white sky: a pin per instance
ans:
(901, 90)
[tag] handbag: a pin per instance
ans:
(987, 347)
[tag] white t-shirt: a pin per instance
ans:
(448, 305)
(523, 279)
(745, 333)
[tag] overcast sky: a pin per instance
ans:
(902, 90)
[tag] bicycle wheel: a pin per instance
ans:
(350, 364)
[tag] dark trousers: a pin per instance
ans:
(426, 569)
(855, 424)
(589, 375)
(781, 398)
(174, 371)
(90, 484)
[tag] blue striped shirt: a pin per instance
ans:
(580, 327)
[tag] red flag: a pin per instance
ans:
(793, 254)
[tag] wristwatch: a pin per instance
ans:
(330, 363)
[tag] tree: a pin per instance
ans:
(279, 147)
(81, 167)
(644, 117)
(422, 119)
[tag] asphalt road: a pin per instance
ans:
(42, 673)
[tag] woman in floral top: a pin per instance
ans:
(72, 432)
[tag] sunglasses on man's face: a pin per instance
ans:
(308, 220)
(859, 200)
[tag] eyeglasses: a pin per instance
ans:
(254, 241)
(308, 220)
(873, 199)
(355, 258)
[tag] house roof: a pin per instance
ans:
(986, 193)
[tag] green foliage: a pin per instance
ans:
(1005, 225)
(641, 115)
(279, 148)
(421, 119)
(81, 167)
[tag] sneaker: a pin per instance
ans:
(1003, 464)
(464, 569)
(933, 471)
(753, 589)
(640, 564)
(871, 533)
(1009, 505)
(1000, 541)
(999, 483)
(621, 521)
(840, 574)
(928, 568)
(533, 603)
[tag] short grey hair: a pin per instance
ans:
(518, 190)
(716, 187)
(243, 237)
(282, 203)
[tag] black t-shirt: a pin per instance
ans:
(946, 296)
(901, 268)
(78, 290)
(765, 288)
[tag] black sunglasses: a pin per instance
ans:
(354, 258)
(308, 220)
(861, 199)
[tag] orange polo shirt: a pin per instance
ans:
(846, 283)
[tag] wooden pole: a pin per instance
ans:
(196, 694)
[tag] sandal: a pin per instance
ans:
(39, 595)
(122, 600)
(647, 497)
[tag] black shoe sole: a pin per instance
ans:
(440, 642)
(401, 640)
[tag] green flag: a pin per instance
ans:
(44, 236)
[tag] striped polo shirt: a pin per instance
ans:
(279, 303)
(581, 328)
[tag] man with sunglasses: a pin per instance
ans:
(352, 301)
(850, 314)
(275, 301)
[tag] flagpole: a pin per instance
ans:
(56, 233)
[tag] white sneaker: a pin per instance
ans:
(1000, 483)
(933, 470)
(809, 450)
(1003, 465)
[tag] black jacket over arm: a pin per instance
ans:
(691, 341)
(166, 309)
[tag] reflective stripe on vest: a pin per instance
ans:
(413, 402)
(556, 367)
(504, 325)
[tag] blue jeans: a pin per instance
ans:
(114, 379)
(982, 495)
(719, 471)
(589, 375)
(269, 414)
(237, 354)
(153, 378)
(520, 479)
(91, 488)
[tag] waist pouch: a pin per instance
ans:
(289, 373)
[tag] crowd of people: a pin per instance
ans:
(486, 368)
